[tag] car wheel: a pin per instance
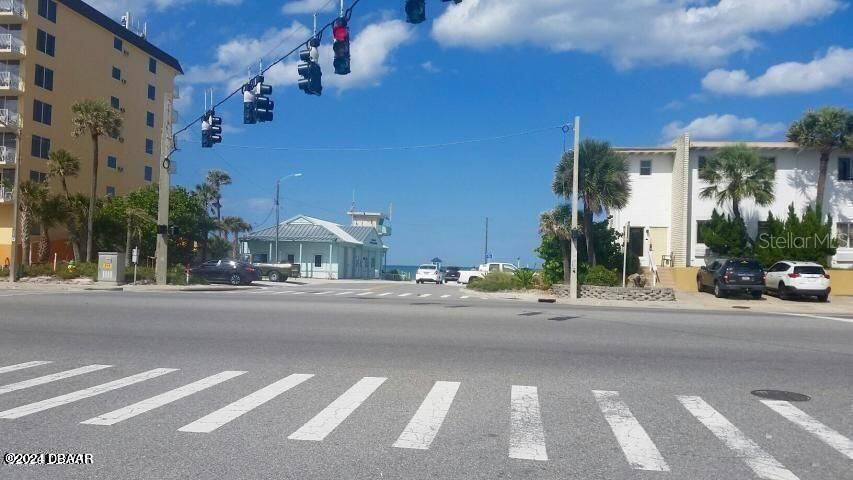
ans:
(274, 276)
(236, 279)
(756, 294)
(823, 298)
(783, 295)
(718, 292)
(699, 285)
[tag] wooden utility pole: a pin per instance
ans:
(166, 147)
(573, 283)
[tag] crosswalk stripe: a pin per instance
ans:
(639, 450)
(51, 378)
(36, 407)
(363, 294)
(386, 294)
(423, 427)
(404, 294)
(146, 405)
(445, 296)
(761, 462)
(809, 424)
(283, 292)
(324, 293)
(327, 420)
(424, 295)
(464, 297)
(21, 366)
(214, 420)
(343, 293)
(527, 436)
(299, 293)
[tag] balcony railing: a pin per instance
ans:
(12, 44)
(9, 119)
(13, 9)
(7, 155)
(11, 81)
(5, 195)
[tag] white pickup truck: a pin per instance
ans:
(467, 276)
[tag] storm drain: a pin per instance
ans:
(781, 395)
(741, 307)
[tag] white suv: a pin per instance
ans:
(794, 279)
(429, 273)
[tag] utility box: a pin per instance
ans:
(111, 267)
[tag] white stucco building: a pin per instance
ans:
(665, 209)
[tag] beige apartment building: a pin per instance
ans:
(53, 54)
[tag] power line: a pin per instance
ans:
(394, 148)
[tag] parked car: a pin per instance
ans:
(452, 274)
(468, 276)
(789, 279)
(226, 271)
(429, 273)
(275, 272)
(736, 275)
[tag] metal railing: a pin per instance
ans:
(11, 43)
(7, 155)
(9, 119)
(5, 195)
(13, 7)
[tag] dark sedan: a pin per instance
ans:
(737, 275)
(226, 271)
(452, 274)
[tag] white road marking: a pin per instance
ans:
(36, 407)
(327, 420)
(404, 294)
(846, 320)
(344, 293)
(445, 296)
(214, 420)
(146, 405)
(324, 293)
(51, 378)
(21, 366)
(639, 450)
(385, 294)
(424, 295)
(465, 296)
(423, 427)
(809, 424)
(363, 294)
(299, 293)
(761, 462)
(283, 292)
(527, 436)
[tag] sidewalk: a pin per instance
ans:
(78, 285)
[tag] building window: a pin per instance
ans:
(42, 112)
(318, 261)
(702, 162)
(47, 9)
(112, 162)
(152, 92)
(770, 160)
(152, 65)
(115, 102)
(44, 77)
(149, 119)
(700, 226)
(111, 191)
(41, 147)
(845, 235)
(45, 43)
(117, 73)
(149, 146)
(645, 167)
(845, 170)
(149, 173)
(38, 177)
(118, 44)
(291, 259)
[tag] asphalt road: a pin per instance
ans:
(343, 385)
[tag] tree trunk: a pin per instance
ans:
(25, 236)
(566, 247)
(90, 234)
(127, 243)
(234, 247)
(736, 208)
(590, 241)
(71, 222)
(204, 235)
(44, 246)
(821, 179)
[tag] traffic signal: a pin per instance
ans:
(311, 82)
(263, 105)
(415, 11)
(250, 116)
(340, 31)
(211, 129)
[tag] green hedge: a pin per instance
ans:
(601, 276)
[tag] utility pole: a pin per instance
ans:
(277, 220)
(573, 283)
(14, 261)
(625, 238)
(166, 145)
(486, 251)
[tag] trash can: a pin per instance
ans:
(111, 267)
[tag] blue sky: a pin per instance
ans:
(638, 72)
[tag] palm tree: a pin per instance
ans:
(95, 118)
(205, 195)
(558, 223)
(49, 212)
(216, 179)
(826, 130)
(736, 173)
(235, 226)
(63, 164)
(603, 183)
(136, 218)
(30, 195)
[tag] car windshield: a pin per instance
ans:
(809, 270)
(745, 265)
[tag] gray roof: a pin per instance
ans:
(303, 228)
(359, 233)
(301, 233)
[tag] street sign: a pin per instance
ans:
(135, 255)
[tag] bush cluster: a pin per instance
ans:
(600, 276)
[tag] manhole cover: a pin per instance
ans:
(781, 395)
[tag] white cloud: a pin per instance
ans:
(728, 127)
(430, 68)
(831, 70)
(628, 32)
(116, 8)
(308, 6)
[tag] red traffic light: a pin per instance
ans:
(340, 30)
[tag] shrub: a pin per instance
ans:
(598, 275)
(38, 270)
(523, 278)
(493, 282)
(71, 270)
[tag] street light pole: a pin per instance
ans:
(277, 211)
(573, 282)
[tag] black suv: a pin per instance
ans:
(452, 274)
(736, 275)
